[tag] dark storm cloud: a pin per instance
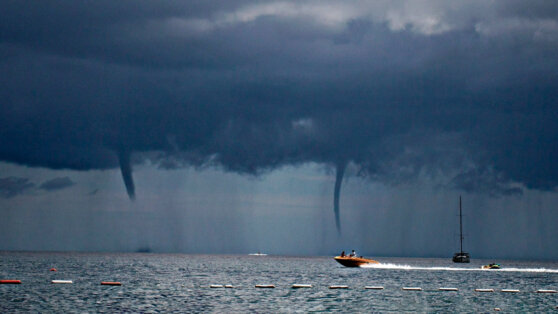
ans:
(12, 186)
(56, 184)
(252, 86)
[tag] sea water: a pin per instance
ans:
(181, 283)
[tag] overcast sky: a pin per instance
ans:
(236, 126)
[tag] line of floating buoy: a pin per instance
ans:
(338, 287)
(546, 291)
(111, 283)
(296, 286)
(510, 290)
(374, 287)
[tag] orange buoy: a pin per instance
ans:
(10, 281)
(53, 269)
(111, 283)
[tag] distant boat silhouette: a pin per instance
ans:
(461, 257)
(258, 254)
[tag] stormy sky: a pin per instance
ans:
(294, 127)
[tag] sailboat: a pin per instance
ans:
(461, 257)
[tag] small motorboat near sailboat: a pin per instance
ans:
(491, 266)
(461, 257)
(353, 261)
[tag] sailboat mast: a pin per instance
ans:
(460, 227)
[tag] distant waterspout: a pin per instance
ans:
(126, 169)
(339, 172)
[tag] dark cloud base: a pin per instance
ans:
(56, 184)
(12, 186)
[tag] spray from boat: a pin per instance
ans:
(444, 268)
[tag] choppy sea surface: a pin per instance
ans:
(181, 283)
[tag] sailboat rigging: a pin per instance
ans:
(461, 257)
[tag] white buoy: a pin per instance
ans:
(374, 287)
(296, 286)
(61, 281)
(412, 288)
(229, 286)
(447, 289)
(338, 287)
(215, 286)
(546, 291)
(265, 286)
(510, 290)
(484, 290)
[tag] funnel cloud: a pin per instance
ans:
(126, 170)
(339, 172)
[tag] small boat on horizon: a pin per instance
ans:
(257, 254)
(491, 266)
(143, 250)
(461, 257)
(353, 261)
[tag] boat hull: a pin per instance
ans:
(461, 258)
(354, 261)
(495, 266)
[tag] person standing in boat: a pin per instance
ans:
(353, 254)
(343, 254)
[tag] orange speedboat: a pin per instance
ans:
(349, 261)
